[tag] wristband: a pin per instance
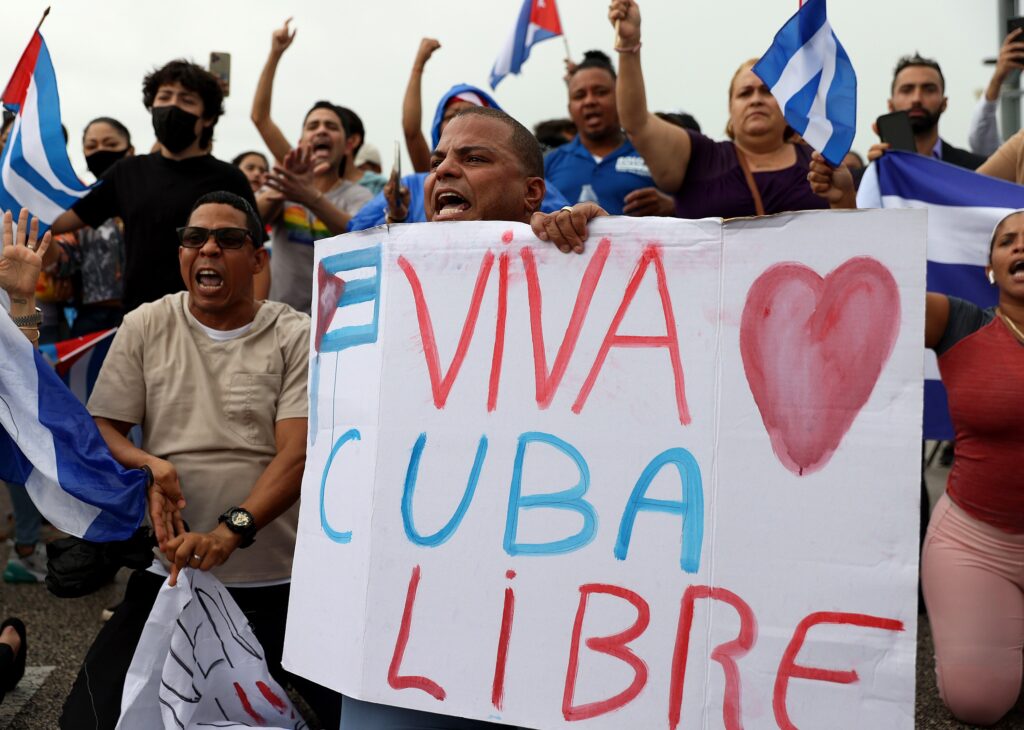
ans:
(149, 475)
(631, 49)
(29, 320)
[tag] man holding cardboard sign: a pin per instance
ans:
(600, 491)
(486, 166)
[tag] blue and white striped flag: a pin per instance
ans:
(35, 171)
(963, 208)
(811, 77)
(49, 443)
(537, 21)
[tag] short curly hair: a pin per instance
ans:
(195, 78)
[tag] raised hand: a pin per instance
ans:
(624, 15)
(294, 179)
(22, 258)
(834, 184)
(282, 38)
(398, 197)
(425, 51)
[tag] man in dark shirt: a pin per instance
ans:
(919, 88)
(153, 193)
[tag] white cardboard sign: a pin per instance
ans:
(670, 482)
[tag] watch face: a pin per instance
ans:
(240, 519)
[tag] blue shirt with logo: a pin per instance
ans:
(574, 171)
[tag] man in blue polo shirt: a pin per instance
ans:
(601, 165)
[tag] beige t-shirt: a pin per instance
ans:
(210, 409)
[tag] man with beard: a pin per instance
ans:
(309, 197)
(153, 194)
(600, 164)
(919, 88)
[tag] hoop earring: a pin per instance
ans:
(991, 277)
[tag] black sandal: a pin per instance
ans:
(19, 660)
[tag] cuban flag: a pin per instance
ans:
(811, 77)
(35, 171)
(963, 208)
(538, 21)
(49, 443)
(78, 361)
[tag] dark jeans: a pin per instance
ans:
(95, 699)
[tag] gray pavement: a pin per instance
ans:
(60, 631)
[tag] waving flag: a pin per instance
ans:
(963, 208)
(538, 21)
(811, 77)
(35, 171)
(78, 361)
(49, 443)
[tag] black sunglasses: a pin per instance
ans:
(197, 236)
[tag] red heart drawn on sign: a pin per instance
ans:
(812, 351)
(329, 290)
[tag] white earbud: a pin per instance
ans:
(991, 277)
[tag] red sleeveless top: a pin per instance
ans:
(984, 378)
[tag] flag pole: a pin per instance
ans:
(45, 13)
(565, 40)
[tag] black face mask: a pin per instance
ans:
(175, 128)
(99, 162)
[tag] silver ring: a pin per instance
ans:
(197, 557)
(566, 207)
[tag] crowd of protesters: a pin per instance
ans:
(206, 267)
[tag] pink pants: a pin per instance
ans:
(973, 577)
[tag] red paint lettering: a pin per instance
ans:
(396, 680)
(725, 654)
(270, 696)
(789, 668)
(246, 705)
(615, 646)
(499, 332)
(501, 661)
(547, 383)
(651, 254)
(442, 385)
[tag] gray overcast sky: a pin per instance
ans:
(359, 54)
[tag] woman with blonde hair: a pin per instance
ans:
(760, 170)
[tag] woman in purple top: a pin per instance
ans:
(757, 172)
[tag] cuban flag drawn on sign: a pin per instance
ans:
(810, 75)
(963, 209)
(49, 443)
(538, 21)
(35, 171)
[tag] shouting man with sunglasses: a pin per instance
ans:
(217, 380)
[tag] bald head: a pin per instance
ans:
(486, 166)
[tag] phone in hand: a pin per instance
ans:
(220, 66)
(1013, 24)
(895, 129)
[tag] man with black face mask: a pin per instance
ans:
(152, 194)
(919, 88)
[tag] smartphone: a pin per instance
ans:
(895, 129)
(1013, 24)
(220, 66)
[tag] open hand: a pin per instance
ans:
(294, 179)
(22, 258)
